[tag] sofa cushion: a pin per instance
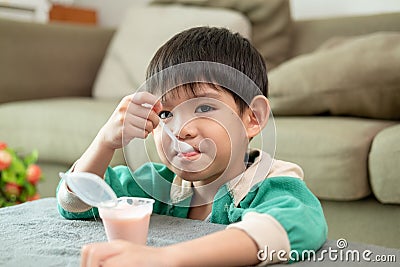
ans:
(309, 34)
(332, 151)
(357, 76)
(142, 32)
(270, 20)
(384, 165)
(61, 129)
(49, 60)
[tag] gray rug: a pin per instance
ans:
(34, 234)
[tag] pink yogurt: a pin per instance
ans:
(129, 220)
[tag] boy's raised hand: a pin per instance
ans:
(131, 120)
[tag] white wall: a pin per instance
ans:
(27, 10)
(111, 11)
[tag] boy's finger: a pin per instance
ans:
(118, 260)
(143, 112)
(93, 254)
(157, 107)
(140, 123)
(144, 97)
(153, 115)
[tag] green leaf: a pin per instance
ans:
(9, 176)
(22, 197)
(16, 173)
(31, 190)
(31, 158)
(17, 166)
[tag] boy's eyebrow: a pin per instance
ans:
(200, 94)
(208, 94)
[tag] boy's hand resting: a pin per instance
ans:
(230, 247)
(130, 120)
(121, 253)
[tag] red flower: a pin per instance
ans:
(33, 173)
(5, 159)
(36, 196)
(13, 189)
(19, 176)
(3, 145)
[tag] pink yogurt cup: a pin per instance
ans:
(129, 220)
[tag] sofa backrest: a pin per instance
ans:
(49, 60)
(310, 34)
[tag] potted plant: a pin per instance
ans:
(19, 176)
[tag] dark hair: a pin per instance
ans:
(215, 45)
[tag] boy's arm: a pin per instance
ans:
(96, 158)
(230, 247)
(129, 120)
(122, 182)
(281, 216)
(118, 178)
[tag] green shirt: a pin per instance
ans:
(287, 199)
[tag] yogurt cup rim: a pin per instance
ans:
(146, 201)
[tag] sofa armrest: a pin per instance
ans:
(49, 60)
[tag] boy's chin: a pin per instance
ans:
(199, 176)
(187, 175)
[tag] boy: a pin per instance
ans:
(219, 180)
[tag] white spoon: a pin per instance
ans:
(179, 146)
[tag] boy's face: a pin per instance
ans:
(209, 121)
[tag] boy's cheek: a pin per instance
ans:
(157, 140)
(160, 146)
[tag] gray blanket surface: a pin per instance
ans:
(34, 234)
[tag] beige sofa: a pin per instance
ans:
(55, 97)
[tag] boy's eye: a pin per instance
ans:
(165, 114)
(204, 108)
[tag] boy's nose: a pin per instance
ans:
(183, 130)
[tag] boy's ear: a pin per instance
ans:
(256, 117)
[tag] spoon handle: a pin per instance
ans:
(178, 145)
(168, 131)
(162, 124)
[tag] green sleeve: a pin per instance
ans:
(124, 183)
(292, 204)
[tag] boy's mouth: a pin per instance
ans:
(188, 155)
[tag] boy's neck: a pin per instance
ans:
(205, 191)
